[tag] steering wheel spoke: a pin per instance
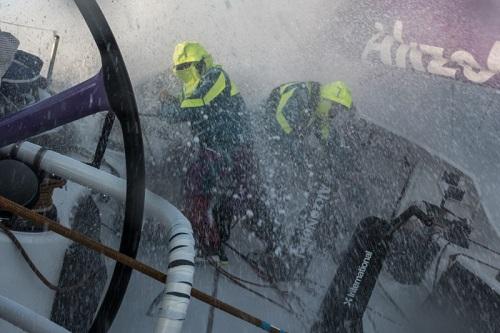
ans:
(80, 101)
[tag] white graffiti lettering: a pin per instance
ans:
(392, 50)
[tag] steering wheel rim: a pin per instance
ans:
(122, 102)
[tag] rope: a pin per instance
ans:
(438, 262)
(233, 277)
(473, 258)
(272, 284)
(477, 260)
(103, 140)
(47, 187)
(28, 26)
(405, 187)
(262, 274)
(113, 231)
(35, 269)
(106, 131)
(9, 101)
(392, 301)
(210, 323)
(484, 247)
(381, 315)
(255, 284)
(26, 257)
(372, 322)
(266, 276)
(241, 285)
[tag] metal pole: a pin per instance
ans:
(53, 56)
(26, 319)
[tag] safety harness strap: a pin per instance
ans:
(192, 103)
(218, 88)
(280, 115)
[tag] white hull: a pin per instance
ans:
(19, 283)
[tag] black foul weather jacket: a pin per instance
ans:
(216, 112)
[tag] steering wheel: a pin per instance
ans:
(122, 102)
(109, 90)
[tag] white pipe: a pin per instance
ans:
(181, 254)
(26, 319)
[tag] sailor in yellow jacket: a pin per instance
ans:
(222, 184)
(301, 110)
(303, 119)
